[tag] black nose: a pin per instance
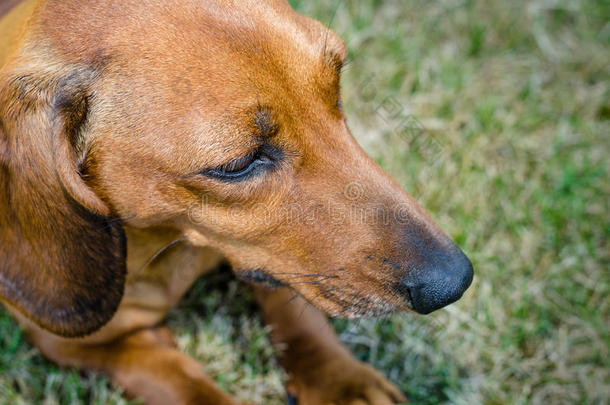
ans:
(440, 282)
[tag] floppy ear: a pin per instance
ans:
(62, 258)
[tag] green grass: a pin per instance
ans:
(512, 161)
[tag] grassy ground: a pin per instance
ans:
(495, 114)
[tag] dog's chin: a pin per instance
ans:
(364, 307)
(360, 312)
(334, 301)
(342, 303)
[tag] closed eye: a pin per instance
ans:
(262, 159)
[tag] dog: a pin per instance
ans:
(143, 142)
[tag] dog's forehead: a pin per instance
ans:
(209, 54)
(186, 31)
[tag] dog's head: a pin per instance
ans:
(221, 119)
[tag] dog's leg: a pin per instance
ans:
(321, 370)
(145, 363)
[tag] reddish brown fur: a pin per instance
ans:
(109, 111)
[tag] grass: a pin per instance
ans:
(495, 115)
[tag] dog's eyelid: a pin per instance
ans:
(240, 162)
(265, 156)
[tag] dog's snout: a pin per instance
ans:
(439, 283)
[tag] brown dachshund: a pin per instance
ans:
(144, 141)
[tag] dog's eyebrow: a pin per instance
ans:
(265, 125)
(334, 60)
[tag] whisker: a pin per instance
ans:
(294, 296)
(297, 280)
(156, 255)
(297, 275)
(330, 23)
(304, 282)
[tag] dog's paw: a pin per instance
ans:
(346, 382)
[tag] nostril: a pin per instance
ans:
(405, 290)
(423, 301)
